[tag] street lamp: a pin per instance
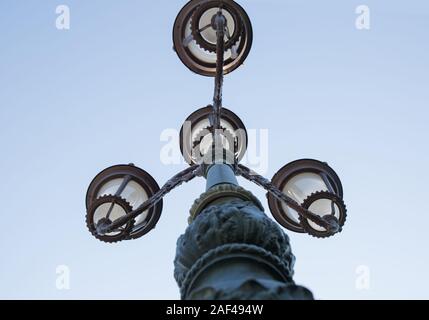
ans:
(196, 134)
(315, 186)
(114, 193)
(231, 249)
(195, 36)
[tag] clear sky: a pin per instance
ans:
(73, 102)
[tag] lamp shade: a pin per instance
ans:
(194, 35)
(126, 187)
(299, 180)
(196, 136)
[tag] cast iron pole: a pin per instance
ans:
(231, 249)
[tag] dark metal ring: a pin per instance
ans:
(144, 179)
(288, 172)
(230, 7)
(335, 200)
(186, 143)
(114, 200)
(182, 25)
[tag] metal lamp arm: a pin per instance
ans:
(267, 185)
(180, 178)
(220, 22)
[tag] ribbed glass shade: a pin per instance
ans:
(200, 53)
(206, 19)
(133, 193)
(116, 211)
(299, 188)
(206, 143)
(323, 207)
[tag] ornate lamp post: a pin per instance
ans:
(231, 249)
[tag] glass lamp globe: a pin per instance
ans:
(128, 188)
(196, 137)
(133, 193)
(195, 36)
(205, 24)
(299, 180)
(209, 35)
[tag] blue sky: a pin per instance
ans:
(74, 102)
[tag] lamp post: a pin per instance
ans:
(231, 249)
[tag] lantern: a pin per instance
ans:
(194, 35)
(315, 186)
(114, 193)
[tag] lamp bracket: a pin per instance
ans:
(215, 118)
(180, 178)
(328, 224)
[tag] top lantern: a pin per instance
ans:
(194, 35)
